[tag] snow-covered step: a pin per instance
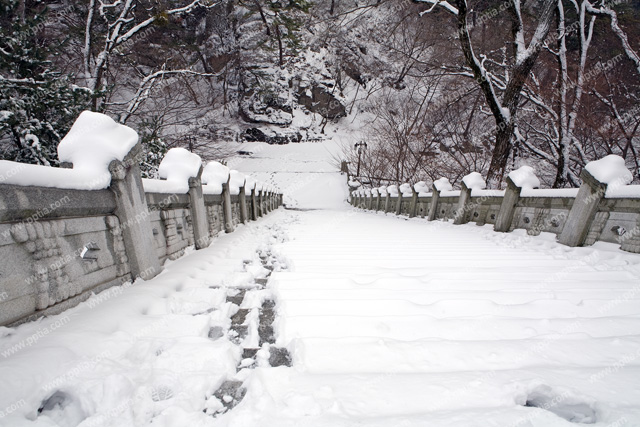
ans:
(371, 355)
(409, 328)
(538, 309)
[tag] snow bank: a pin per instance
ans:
(474, 181)
(177, 166)
(443, 184)
(94, 141)
(610, 170)
(213, 176)
(524, 177)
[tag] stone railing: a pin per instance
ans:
(60, 245)
(605, 208)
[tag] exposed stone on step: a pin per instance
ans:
(266, 334)
(238, 333)
(240, 316)
(237, 298)
(216, 332)
(249, 353)
(230, 393)
(262, 282)
(279, 356)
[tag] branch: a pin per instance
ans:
(615, 26)
(434, 3)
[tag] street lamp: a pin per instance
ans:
(360, 147)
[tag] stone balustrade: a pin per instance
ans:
(597, 211)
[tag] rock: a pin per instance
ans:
(322, 102)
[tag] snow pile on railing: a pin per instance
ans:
(422, 189)
(93, 142)
(177, 166)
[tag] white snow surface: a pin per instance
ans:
(474, 181)
(305, 173)
(390, 322)
(524, 177)
(610, 170)
(405, 189)
(442, 184)
(236, 180)
(400, 336)
(93, 142)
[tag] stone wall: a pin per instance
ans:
(59, 246)
(579, 217)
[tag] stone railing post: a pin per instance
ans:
(198, 212)
(583, 211)
(378, 198)
(463, 205)
(260, 203)
(433, 208)
(226, 207)
(254, 204)
(242, 196)
(387, 202)
(508, 207)
(399, 202)
(133, 213)
(413, 208)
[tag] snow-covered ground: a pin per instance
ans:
(389, 321)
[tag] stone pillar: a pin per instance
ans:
(414, 202)
(399, 202)
(378, 197)
(243, 204)
(508, 207)
(584, 209)
(254, 204)
(227, 214)
(463, 205)
(133, 213)
(387, 202)
(433, 208)
(198, 212)
(260, 203)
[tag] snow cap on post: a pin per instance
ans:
(421, 187)
(524, 177)
(474, 181)
(177, 166)
(382, 190)
(250, 184)
(442, 184)
(94, 141)
(214, 175)
(405, 189)
(610, 170)
(392, 190)
(237, 180)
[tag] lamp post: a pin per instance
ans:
(360, 147)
